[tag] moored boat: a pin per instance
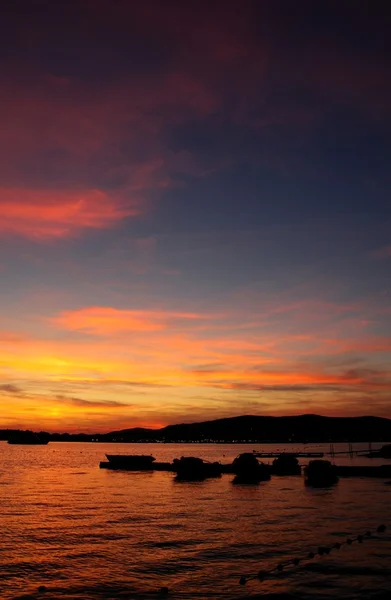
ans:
(321, 473)
(286, 464)
(249, 470)
(385, 451)
(190, 468)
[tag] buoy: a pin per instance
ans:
(321, 550)
(42, 588)
(163, 591)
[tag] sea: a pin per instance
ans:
(72, 531)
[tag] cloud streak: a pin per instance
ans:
(10, 388)
(81, 403)
(101, 320)
(46, 214)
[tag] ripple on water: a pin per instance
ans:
(92, 536)
(172, 544)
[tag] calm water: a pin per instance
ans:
(92, 534)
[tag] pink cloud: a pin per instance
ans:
(47, 214)
(384, 252)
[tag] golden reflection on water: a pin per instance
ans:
(91, 533)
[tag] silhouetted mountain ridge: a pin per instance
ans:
(245, 428)
(307, 427)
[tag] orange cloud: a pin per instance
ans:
(155, 359)
(295, 380)
(101, 320)
(46, 214)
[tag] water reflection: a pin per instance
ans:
(90, 533)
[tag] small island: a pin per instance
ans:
(28, 438)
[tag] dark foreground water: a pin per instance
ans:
(91, 534)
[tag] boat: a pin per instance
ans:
(385, 451)
(249, 470)
(190, 468)
(320, 473)
(27, 438)
(131, 462)
(286, 464)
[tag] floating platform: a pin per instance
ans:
(296, 454)
(356, 471)
(342, 471)
(156, 466)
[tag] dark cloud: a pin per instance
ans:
(121, 84)
(116, 382)
(254, 387)
(10, 388)
(71, 400)
(348, 381)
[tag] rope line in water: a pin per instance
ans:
(164, 591)
(321, 551)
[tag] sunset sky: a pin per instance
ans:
(195, 213)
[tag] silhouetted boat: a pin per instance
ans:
(286, 464)
(385, 451)
(27, 438)
(131, 462)
(247, 469)
(190, 468)
(320, 473)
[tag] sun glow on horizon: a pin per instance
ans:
(116, 372)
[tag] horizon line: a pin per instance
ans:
(53, 432)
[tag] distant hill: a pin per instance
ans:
(246, 428)
(303, 428)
